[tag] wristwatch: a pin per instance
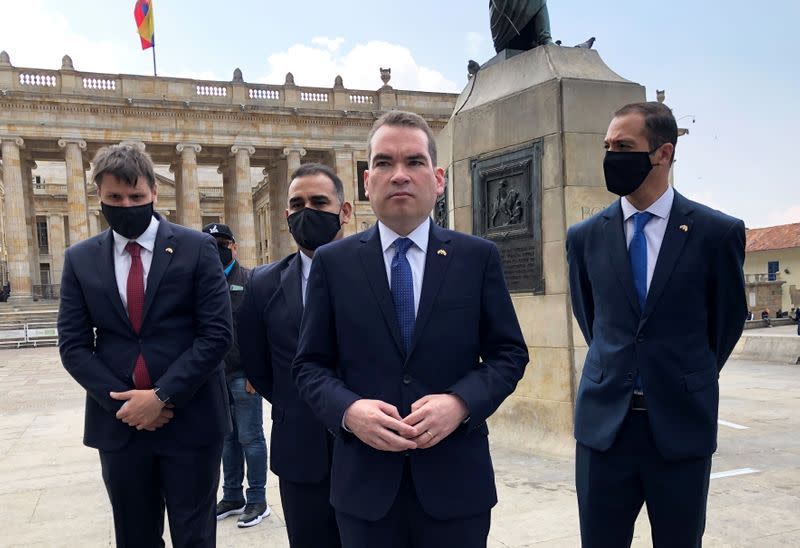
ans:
(161, 396)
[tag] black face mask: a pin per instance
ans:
(129, 222)
(626, 171)
(312, 228)
(225, 254)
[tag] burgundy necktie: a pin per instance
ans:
(135, 293)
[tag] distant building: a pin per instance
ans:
(772, 267)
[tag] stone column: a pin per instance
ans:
(245, 228)
(344, 167)
(94, 222)
(189, 212)
(76, 189)
(229, 203)
(282, 241)
(17, 235)
(30, 220)
(55, 231)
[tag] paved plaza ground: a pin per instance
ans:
(51, 493)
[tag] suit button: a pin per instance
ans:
(630, 376)
(640, 338)
(406, 379)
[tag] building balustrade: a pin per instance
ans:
(236, 93)
(762, 277)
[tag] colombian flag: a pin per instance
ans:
(143, 13)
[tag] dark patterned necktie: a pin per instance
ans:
(135, 294)
(403, 291)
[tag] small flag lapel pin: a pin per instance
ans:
(442, 252)
(684, 228)
(169, 250)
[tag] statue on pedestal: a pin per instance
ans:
(519, 24)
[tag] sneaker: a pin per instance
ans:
(227, 508)
(253, 514)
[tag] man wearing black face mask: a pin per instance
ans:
(144, 323)
(658, 292)
(245, 446)
(270, 322)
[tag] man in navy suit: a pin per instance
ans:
(144, 323)
(658, 292)
(409, 342)
(269, 325)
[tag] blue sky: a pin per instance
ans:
(730, 65)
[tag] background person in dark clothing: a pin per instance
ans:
(245, 445)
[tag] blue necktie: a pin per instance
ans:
(403, 291)
(638, 256)
(637, 252)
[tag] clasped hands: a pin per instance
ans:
(432, 419)
(143, 410)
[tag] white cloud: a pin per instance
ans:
(318, 64)
(331, 44)
(785, 216)
(37, 37)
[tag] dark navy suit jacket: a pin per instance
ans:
(186, 331)
(693, 316)
(467, 341)
(269, 325)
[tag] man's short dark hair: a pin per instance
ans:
(315, 169)
(125, 162)
(659, 123)
(401, 118)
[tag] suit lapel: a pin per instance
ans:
(436, 264)
(292, 289)
(108, 274)
(618, 253)
(161, 259)
(371, 255)
(671, 246)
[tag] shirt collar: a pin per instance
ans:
(305, 265)
(660, 208)
(419, 235)
(147, 239)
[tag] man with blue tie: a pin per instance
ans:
(409, 342)
(269, 322)
(143, 324)
(658, 292)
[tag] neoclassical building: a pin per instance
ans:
(223, 151)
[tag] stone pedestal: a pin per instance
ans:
(17, 234)
(529, 132)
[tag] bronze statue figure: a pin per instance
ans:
(519, 24)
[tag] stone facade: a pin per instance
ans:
(223, 151)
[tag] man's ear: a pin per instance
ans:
(346, 213)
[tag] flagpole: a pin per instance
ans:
(155, 74)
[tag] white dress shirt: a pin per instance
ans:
(654, 230)
(305, 268)
(122, 261)
(415, 254)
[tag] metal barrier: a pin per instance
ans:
(28, 334)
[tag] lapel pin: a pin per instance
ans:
(442, 252)
(685, 228)
(169, 250)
